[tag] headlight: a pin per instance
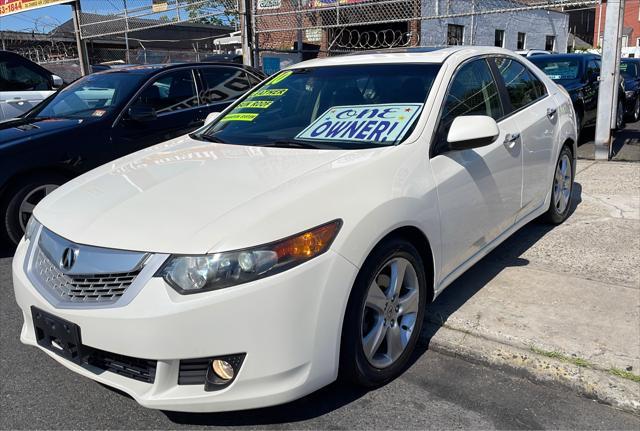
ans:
(31, 229)
(193, 274)
(629, 94)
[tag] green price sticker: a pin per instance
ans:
(239, 117)
(281, 77)
(258, 104)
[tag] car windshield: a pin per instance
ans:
(89, 97)
(628, 70)
(558, 69)
(329, 107)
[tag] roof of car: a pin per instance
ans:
(403, 55)
(152, 69)
(568, 56)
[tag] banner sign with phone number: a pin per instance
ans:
(8, 7)
(385, 123)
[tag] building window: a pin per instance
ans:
(522, 38)
(499, 38)
(638, 41)
(549, 43)
(625, 41)
(455, 34)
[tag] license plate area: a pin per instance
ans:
(57, 335)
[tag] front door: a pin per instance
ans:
(479, 190)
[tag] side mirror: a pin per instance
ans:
(142, 113)
(212, 116)
(472, 131)
(57, 82)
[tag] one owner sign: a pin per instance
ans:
(387, 123)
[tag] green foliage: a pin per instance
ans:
(214, 12)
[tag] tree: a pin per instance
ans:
(214, 12)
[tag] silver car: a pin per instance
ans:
(23, 84)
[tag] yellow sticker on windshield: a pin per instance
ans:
(239, 117)
(270, 93)
(281, 77)
(258, 104)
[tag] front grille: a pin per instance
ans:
(86, 288)
(133, 368)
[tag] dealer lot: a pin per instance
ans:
(595, 250)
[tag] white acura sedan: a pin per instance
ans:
(300, 235)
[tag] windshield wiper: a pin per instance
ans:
(295, 144)
(208, 138)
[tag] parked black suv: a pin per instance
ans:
(630, 71)
(104, 116)
(578, 74)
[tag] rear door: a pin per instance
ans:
(22, 85)
(530, 105)
(173, 96)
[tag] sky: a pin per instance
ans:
(43, 19)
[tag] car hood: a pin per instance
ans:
(23, 129)
(186, 196)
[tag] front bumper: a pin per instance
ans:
(288, 325)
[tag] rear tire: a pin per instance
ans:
(20, 199)
(620, 115)
(561, 188)
(384, 314)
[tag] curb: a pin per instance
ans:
(598, 385)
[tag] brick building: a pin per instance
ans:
(631, 29)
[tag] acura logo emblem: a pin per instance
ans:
(69, 256)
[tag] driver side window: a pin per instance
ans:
(473, 91)
(171, 92)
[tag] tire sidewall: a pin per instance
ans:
(10, 204)
(554, 215)
(353, 362)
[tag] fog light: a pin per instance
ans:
(223, 369)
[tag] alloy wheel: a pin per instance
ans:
(620, 115)
(390, 312)
(562, 184)
(31, 200)
(636, 110)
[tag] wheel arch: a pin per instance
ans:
(44, 170)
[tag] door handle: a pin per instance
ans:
(551, 112)
(511, 138)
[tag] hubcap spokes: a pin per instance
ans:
(390, 312)
(30, 201)
(562, 184)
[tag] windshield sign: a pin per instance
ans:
(346, 107)
(366, 123)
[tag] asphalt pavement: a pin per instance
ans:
(436, 392)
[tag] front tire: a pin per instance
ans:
(384, 314)
(20, 200)
(561, 189)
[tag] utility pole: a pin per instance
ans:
(244, 7)
(126, 32)
(609, 74)
(80, 43)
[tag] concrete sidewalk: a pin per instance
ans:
(559, 304)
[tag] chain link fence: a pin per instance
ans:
(287, 31)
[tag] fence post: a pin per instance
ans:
(80, 43)
(245, 28)
(608, 90)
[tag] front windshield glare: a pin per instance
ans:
(330, 107)
(90, 97)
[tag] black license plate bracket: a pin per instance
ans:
(57, 335)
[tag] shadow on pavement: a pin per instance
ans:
(339, 394)
(6, 250)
